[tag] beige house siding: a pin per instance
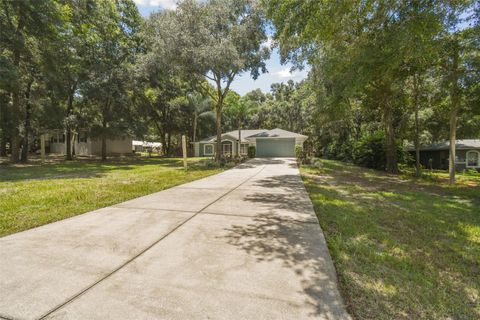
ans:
(82, 148)
(118, 146)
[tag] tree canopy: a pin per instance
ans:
(401, 72)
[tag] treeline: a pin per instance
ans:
(66, 65)
(98, 66)
(404, 70)
(382, 73)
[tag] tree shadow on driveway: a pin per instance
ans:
(286, 230)
(299, 247)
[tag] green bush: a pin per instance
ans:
(298, 152)
(301, 155)
(370, 151)
(339, 151)
(251, 152)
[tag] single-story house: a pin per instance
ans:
(83, 145)
(467, 154)
(267, 143)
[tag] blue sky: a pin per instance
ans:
(243, 83)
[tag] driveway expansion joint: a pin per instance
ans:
(58, 307)
(166, 210)
(255, 250)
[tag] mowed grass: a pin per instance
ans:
(34, 195)
(403, 248)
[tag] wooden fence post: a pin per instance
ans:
(184, 149)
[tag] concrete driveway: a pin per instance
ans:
(243, 244)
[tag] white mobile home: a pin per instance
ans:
(83, 145)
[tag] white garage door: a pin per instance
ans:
(276, 147)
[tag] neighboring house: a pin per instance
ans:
(140, 146)
(83, 145)
(267, 143)
(436, 155)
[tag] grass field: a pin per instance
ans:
(33, 195)
(403, 248)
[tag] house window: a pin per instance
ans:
(61, 138)
(227, 148)
(244, 148)
(473, 159)
(208, 149)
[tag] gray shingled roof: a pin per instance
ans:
(459, 145)
(277, 133)
(245, 133)
(258, 133)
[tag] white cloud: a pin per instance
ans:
(166, 4)
(285, 73)
(269, 43)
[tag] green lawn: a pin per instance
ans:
(33, 195)
(403, 248)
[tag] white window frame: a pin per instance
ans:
(230, 145)
(204, 149)
(245, 145)
(478, 159)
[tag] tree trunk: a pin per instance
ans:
(169, 144)
(453, 137)
(28, 111)
(3, 144)
(74, 137)
(14, 146)
(455, 105)
(15, 139)
(239, 139)
(417, 126)
(163, 140)
(218, 153)
(42, 147)
(3, 124)
(417, 145)
(68, 128)
(15, 133)
(68, 134)
(104, 141)
(392, 162)
(218, 115)
(161, 134)
(195, 119)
